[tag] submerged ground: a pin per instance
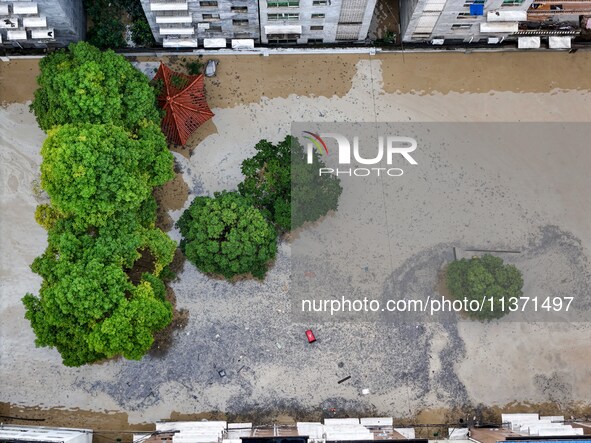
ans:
(245, 328)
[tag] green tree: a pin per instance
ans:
(194, 67)
(276, 171)
(102, 292)
(129, 330)
(486, 277)
(107, 28)
(313, 195)
(87, 298)
(141, 33)
(108, 33)
(47, 216)
(84, 85)
(226, 235)
(93, 171)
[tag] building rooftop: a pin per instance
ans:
(23, 434)
(332, 430)
(530, 427)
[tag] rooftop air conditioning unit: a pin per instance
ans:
(171, 42)
(214, 43)
(181, 18)
(555, 42)
(242, 43)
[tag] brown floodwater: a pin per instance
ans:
(245, 79)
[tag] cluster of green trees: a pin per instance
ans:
(487, 277)
(102, 293)
(235, 233)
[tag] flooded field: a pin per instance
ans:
(243, 328)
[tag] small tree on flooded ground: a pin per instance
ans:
(226, 235)
(236, 232)
(485, 277)
(287, 190)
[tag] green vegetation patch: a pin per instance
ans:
(107, 28)
(226, 235)
(84, 85)
(102, 293)
(271, 175)
(485, 277)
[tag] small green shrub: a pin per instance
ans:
(194, 67)
(486, 277)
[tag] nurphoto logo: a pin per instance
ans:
(389, 148)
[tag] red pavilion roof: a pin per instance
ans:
(182, 97)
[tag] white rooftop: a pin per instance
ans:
(24, 8)
(214, 42)
(534, 425)
(48, 33)
(45, 434)
(35, 22)
(171, 42)
(194, 431)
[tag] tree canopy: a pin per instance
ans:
(285, 188)
(102, 293)
(487, 277)
(108, 29)
(84, 85)
(86, 283)
(226, 235)
(92, 171)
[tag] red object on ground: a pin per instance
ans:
(182, 97)
(310, 335)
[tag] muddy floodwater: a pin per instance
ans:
(429, 372)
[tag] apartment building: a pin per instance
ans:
(220, 23)
(314, 21)
(493, 21)
(41, 23)
(188, 23)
